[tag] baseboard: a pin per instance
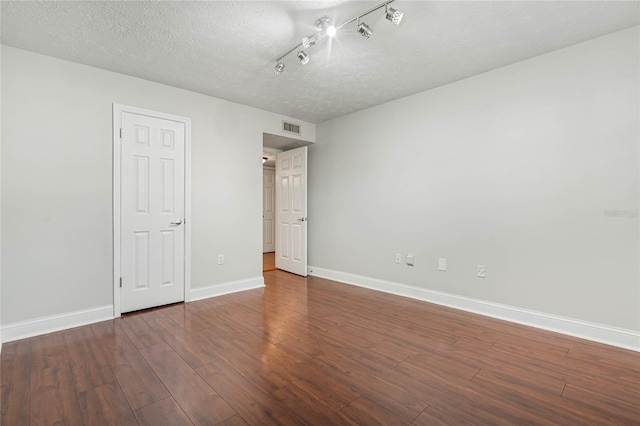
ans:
(622, 338)
(49, 324)
(226, 288)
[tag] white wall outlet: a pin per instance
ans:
(410, 260)
(482, 271)
(221, 259)
(442, 264)
(398, 258)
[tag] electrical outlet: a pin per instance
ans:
(398, 258)
(442, 264)
(482, 271)
(221, 259)
(410, 259)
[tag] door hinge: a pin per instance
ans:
(120, 282)
(120, 132)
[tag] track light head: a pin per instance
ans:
(279, 68)
(308, 42)
(394, 15)
(326, 26)
(304, 58)
(364, 30)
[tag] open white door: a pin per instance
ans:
(152, 211)
(291, 211)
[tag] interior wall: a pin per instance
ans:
(57, 182)
(530, 169)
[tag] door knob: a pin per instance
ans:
(177, 222)
(302, 219)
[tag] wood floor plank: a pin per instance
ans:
(198, 400)
(88, 363)
(331, 391)
(15, 361)
(166, 412)
(525, 369)
(519, 392)
(15, 380)
(434, 416)
(140, 385)
(193, 350)
(609, 405)
(310, 408)
(48, 351)
(139, 332)
(394, 398)
(603, 355)
(363, 411)
(256, 406)
(342, 366)
(236, 420)
(187, 317)
(249, 365)
(15, 409)
(106, 405)
(53, 399)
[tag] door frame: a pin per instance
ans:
(118, 109)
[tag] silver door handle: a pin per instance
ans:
(177, 222)
(302, 219)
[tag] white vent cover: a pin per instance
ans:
(290, 127)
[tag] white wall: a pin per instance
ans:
(513, 169)
(57, 182)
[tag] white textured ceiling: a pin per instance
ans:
(228, 49)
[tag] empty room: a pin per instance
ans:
(320, 212)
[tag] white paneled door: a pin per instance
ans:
(291, 211)
(152, 211)
(268, 210)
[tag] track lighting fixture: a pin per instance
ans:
(364, 30)
(308, 42)
(393, 15)
(326, 28)
(279, 68)
(304, 58)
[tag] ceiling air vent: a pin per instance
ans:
(291, 128)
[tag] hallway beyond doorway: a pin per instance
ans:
(268, 261)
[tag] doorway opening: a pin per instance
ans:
(274, 245)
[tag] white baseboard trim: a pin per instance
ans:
(226, 288)
(49, 324)
(613, 336)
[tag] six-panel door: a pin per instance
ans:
(291, 211)
(152, 211)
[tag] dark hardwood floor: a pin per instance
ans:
(312, 351)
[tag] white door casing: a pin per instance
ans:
(268, 210)
(150, 244)
(291, 211)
